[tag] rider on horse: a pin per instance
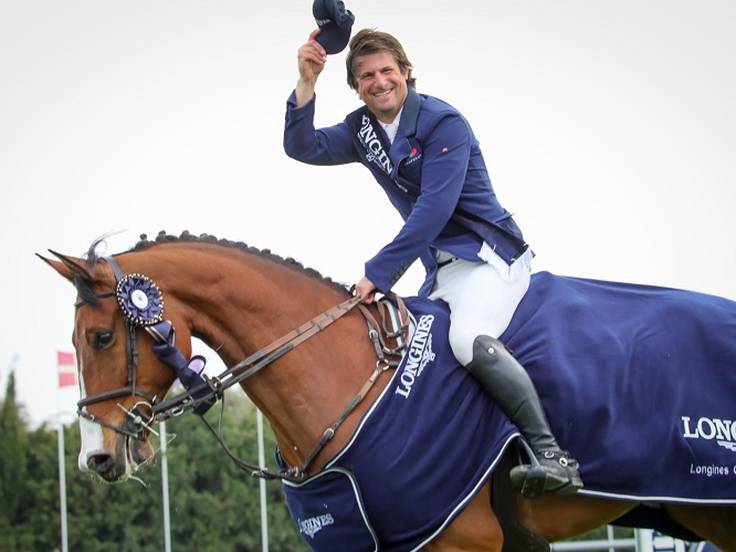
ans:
(424, 155)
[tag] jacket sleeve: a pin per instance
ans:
(326, 146)
(446, 152)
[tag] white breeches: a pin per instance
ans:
(482, 297)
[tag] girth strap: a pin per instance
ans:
(387, 358)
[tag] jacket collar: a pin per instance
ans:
(408, 121)
(407, 127)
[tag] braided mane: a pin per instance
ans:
(162, 237)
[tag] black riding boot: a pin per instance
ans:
(508, 384)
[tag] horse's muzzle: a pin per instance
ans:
(100, 463)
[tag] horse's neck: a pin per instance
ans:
(240, 305)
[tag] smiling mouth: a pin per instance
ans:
(382, 94)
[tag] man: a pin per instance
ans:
(425, 157)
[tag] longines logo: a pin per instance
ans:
(375, 152)
(722, 431)
(419, 355)
(313, 525)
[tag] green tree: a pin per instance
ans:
(213, 494)
(37, 524)
(214, 505)
(13, 446)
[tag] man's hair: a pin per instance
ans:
(371, 41)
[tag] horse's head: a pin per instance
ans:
(120, 377)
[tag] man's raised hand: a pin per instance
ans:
(311, 58)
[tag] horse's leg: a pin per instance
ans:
(562, 517)
(714, 523)
(476, 529)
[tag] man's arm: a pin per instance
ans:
(326, 146)
(445, 162)
(311, 59)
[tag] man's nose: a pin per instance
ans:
(381, 80)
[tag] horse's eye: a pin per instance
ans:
(102, 340)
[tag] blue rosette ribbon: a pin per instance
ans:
(140, 300)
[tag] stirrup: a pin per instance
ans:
(560, 476)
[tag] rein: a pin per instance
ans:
(202, 391)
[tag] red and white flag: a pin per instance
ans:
(66, 368)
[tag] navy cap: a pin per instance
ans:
(335, 24)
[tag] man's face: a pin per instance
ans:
(381, 85)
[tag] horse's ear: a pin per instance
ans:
(68, 267)
(61, 268)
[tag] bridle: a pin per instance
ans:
(141, 302)
(134, 424)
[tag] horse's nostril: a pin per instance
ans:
(100, 463)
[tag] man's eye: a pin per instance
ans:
(101, 340)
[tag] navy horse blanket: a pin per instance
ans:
(638, 382)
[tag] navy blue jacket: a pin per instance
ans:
(433, 173)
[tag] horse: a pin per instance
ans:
(237, 299)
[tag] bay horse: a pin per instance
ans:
(237, 299)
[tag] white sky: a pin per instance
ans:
(608, 129)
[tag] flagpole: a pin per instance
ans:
(165, 487)
(66, 376)
(62, 487)
(262, 482)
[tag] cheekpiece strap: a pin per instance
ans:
(115, 268)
